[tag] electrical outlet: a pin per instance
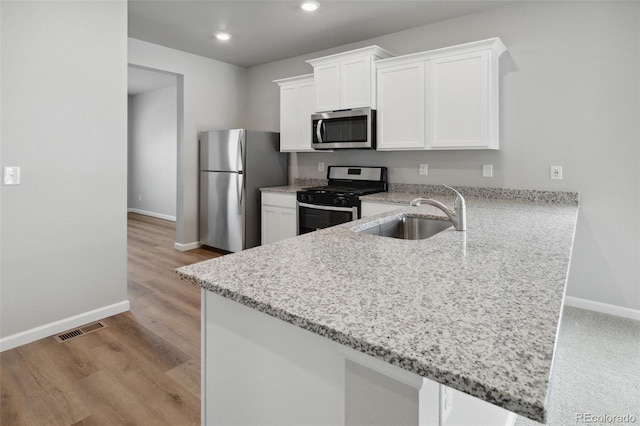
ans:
(446, 402)
(556, 172)
(321, 167)
(424, 169)
(12, 175)
(487, 170)
(139, 197)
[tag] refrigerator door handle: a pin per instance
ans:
(240, 169)
(239, 190)
(239, 158)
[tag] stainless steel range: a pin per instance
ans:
(339, 201)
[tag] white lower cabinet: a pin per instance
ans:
(278, 216)
(259, 370)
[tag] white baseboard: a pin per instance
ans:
(153, 214)
(604, 308)
(37, 333)
(185, 247)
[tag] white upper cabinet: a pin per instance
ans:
(401, 117)
(297, 103)
(327, 77)
(464, 111)
(356, 83)
(347, 80)
(441, 99)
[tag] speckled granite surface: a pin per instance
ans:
(284, 188)
(306, 183)
(298, 184)
(403, 193)
(477, 310)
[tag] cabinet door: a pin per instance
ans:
(402, 107)
(307, 107)
(327, 81)
(287, 223)
(355, 75)
(459, 109)
(289, 116)
(278, 216)
(269, 224)
(278, 223)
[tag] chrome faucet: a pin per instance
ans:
(457, 217)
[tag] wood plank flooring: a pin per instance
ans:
(142, 369)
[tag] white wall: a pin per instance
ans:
(153, 144)
(214, 97)
(64, 114)
(569, 96)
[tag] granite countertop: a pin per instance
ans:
(298, 184)
(403, 193)
(477, 311)
(284, 188)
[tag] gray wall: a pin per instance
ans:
(64, 115)
(214, 96)
(569, 96)
(153, 145)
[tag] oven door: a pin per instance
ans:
(312, 217)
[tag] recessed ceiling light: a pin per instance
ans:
(223, 36)
(309, 6)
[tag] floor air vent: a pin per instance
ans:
(81, 331)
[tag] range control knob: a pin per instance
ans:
(343, 201)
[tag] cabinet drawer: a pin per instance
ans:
(280, 199)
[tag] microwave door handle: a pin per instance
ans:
(318, 130)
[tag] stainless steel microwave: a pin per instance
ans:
(346, 129)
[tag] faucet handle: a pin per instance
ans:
(459, 202)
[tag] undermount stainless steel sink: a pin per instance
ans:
(409, 227)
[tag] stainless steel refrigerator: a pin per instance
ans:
(234, 165)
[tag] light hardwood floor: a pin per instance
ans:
(143, 369)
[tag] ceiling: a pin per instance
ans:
(269, 30)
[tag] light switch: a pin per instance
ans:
(12, 175)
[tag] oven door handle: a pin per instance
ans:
(330, 208)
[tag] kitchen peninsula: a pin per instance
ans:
(328, 327)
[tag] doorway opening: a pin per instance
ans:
(154, 133)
